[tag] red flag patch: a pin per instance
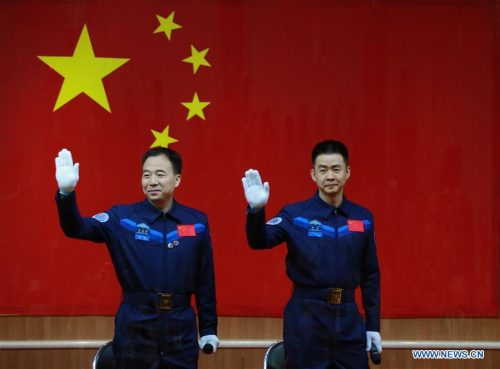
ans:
(356, 225)
(186, 230)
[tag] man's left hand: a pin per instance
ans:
(373, 337)
(210, 339)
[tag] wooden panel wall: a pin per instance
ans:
(40, 328)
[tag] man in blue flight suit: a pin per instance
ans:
(162, 254)
(331, 251)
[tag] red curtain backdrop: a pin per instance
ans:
(410, 86)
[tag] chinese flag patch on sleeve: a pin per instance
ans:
(356, 225)
(186, 230)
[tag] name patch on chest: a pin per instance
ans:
(315, 229)
(142, 232)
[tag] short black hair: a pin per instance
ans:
(330, 147)
(171, 155)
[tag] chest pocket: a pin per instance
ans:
(354, 236)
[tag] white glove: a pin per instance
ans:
(209, 339)
(66, 173)
(256, 193)
(374, 337)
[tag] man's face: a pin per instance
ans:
(330, 174)
(158, 179)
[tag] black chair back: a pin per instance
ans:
(275, 356)
(103, 358)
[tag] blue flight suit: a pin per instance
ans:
(328, 248)
(153, 252)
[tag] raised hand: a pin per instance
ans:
(256, 193)
(67, 174)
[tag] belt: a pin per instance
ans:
(160, 301)
(331, 295)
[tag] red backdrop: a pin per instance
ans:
(409, 86)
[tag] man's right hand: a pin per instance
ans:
(256, 193)
(66, 173)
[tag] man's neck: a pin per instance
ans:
(164, 207)
(334, 199)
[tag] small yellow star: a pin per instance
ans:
(167, 25)
(162, 138)
(83, 72)
(197, 58)
(195, 107)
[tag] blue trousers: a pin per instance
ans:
(149, 339)
(319, 335)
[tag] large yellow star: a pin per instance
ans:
(167, 25)
(196, 107)
(197, 58)
(162, 138)
(83, 72)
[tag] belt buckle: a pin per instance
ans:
(164, 301)
(334, 296)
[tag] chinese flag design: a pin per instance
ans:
(186, 230)
(232, 85)
(356, 225)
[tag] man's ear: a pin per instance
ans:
(177, 180)
(312, 175)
